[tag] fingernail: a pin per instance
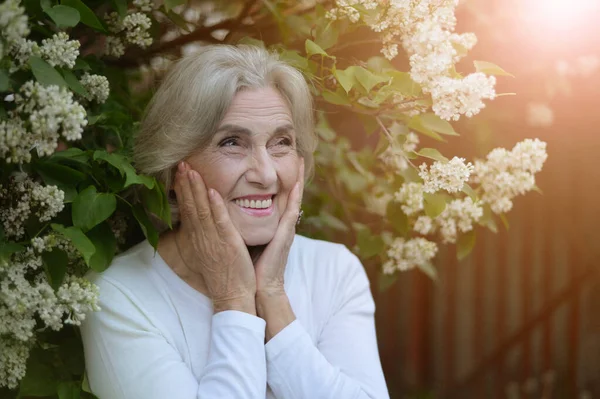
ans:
(180, 167)
(193, 175)
(211, 193)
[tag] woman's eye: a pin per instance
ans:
(284, 141)
(229, 142)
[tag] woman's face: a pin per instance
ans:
(252, 162)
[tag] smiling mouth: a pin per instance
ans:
(255, 204)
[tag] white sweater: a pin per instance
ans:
(156, 337)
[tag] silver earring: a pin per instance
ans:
(299, 216)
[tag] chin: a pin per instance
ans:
(257, 237)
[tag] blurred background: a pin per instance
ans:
(520, 317)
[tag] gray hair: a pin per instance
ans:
(194, 96)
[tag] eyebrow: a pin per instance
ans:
(242, 130)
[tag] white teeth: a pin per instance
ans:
(255, 204)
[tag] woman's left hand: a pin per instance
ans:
(270, 266)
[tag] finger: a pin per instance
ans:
(198, 189)
(290, 216)
(301, 180)
(185, 199)
(220, 214)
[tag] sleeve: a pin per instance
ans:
(127, 357)
(345, 361)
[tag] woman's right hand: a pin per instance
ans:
(213, 247)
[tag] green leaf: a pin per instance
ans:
(73, 82)
(120, 7)
(40, 379)
(345, 78)
(63, 16)
(428, 269)
(79, 240)
(403, 84)
(326, 36)
(178, 20)
(4, 80)
(68, 390)
(169, 4)
(106, 244)
(379, 64)
(7, 249)
(55, 264)
(71, 154)
(156, 201)
(367, 79)
(435, 123)
(294, 59)
(313, 48)
(44, 73)
(465, 244)
(335, 98)
(125, 168)
(397, 218)
(432, 153)
(386, 281)
(91, 208)
(416, 123)
(469, 191)
(147, 228)
(62, 176)
(369, 245)
(87, 16)
(434, 204)
(331, 221)
(490, 69)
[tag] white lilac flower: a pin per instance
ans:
(410, 196)
(455, 97)
(144, 5)
(13, 21)
(60, 51)
(459, 215)
(114, 22)
(424, 225)
(450, 176)
(13, 360)
(506, 174)
(21, 49)
(15, 141)
(97, 87)
(394, 155)
(539, 115)
(25, 295)
(22, 197)
(114, 46)
(404, 255)
(51, 112)
(426, 30)
(136, 29)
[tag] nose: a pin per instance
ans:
(261, 169)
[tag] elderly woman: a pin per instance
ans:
(233, 304)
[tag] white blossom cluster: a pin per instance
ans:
(118, 225)
(21, 49)
(23, 198)
(425, 28)
(13, 21)
(134, 29)
(404, 255)
(97, 87)
(42, 114)
(60, 51)
(15, 141)
(459, 215)
(25, 299)
(410, 196)
(505, 174)
(395, 155)
(539, 115)
(450, 176)
(144, 5)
